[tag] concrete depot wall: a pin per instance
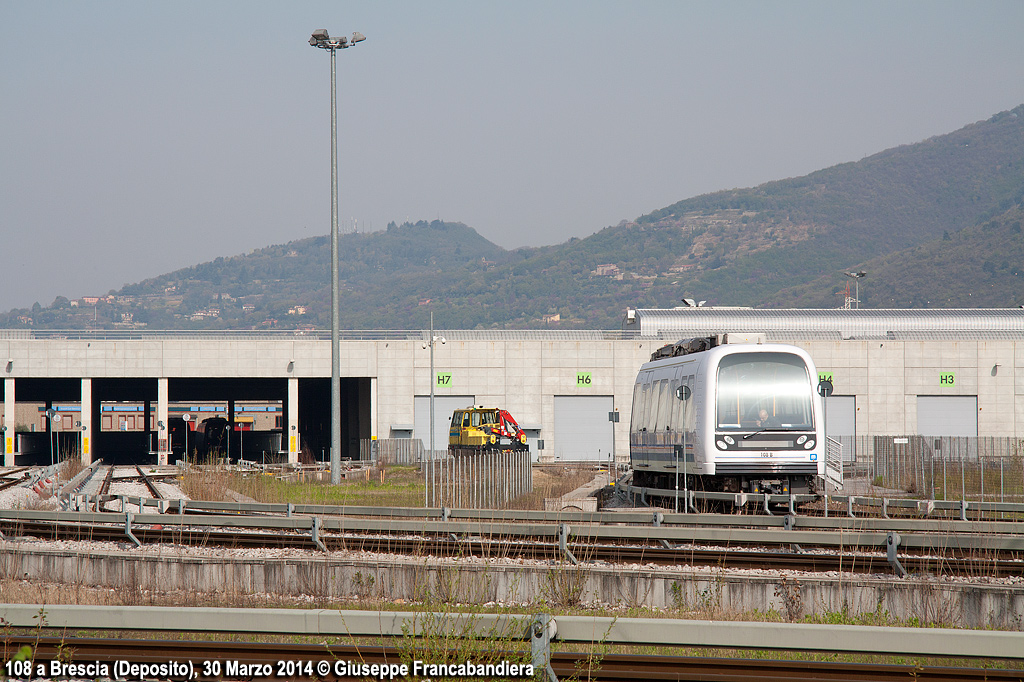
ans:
(707, 593)
(885, 377)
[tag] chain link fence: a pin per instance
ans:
(939, 467)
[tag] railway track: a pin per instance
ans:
(149, 483)
(15, 477)
(289, 660)
(105, 485)
(742, 504)
(177, 531)
(930, 546)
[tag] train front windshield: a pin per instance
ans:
(764, 391)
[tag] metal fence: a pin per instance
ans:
(384, 451)
(939, 467)
(481, 480)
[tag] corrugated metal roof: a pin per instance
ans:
(810, 324)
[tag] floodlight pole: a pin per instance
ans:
(856, 278)
(335, 302)
(321, 39)
(433, 380)
(50, 416)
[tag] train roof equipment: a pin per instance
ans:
(699, 344)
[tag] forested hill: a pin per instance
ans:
(936, 223)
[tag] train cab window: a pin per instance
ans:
(777, 383)
(476, 418)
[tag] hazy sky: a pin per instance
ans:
(140, 137)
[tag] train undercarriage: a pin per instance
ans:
(773, 484)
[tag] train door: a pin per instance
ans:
(682, 420)
(638, 420)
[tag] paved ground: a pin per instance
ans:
(863, 487)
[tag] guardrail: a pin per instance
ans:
(847, 502)
(618, 518)
(847, 639)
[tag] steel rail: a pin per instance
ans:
(15, 481)
(597, 668)
(105, 486)
(150, 484)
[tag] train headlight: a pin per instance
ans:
(809, 444)
(801, 439)
(721, 445)
(729, 440)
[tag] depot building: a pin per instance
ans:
(929, 372)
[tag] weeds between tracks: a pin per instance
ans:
(390, 486)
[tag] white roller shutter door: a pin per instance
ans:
(947, 415)
(582, 429)
(841, 423)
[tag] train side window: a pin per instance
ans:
(637, 412)
(664, 406)
(646, 400)
(689, 418)
(677, 407)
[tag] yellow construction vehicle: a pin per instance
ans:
(485, 429)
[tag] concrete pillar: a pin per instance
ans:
(9, 422)
(231, 430)
(373, 408)
(292, 430)
(86, 419)
(163, 424)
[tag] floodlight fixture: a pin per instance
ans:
(323, 40)
(856, 278)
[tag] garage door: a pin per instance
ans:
(443, 408)
(582, 429)
(947, 415)
(841, 423)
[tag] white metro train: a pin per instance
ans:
(728, 413)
